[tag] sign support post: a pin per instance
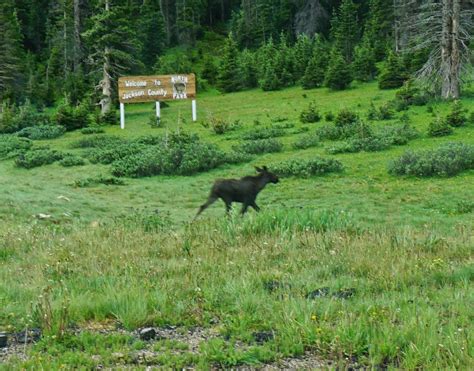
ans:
(158, 109)
(122, 115)
(194, 110)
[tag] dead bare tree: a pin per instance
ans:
(444, 27)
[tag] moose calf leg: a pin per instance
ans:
(204, 206)
(255, 206)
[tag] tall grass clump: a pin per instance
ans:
(307, 168)
(447, 160)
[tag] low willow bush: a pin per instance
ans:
(346, 117)
(307, 168)
(110, 153)
(99, 141)
(11, 145)
(92, 130)
(263, 133)
(399, 134)
(15, 118)
(70, 160)
(368, 144)
(260, 146)
(38, 157)
(447, 160)
(91, 182)
(307, 141)
(42, 132)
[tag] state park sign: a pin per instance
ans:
(142, 89)
(139, 89)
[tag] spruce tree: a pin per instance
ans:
(11, 52)
(364, 63)
(153, 33)
(270, 79)
(317, 66)
(393, 73)
(378, 28)
(228, 79)
(248, 69)
(339, 74)
(209, 70)
(303, 52)
(345, 29)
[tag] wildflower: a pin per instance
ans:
(313, 317)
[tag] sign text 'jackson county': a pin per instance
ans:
(136, 89)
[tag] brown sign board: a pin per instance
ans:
(136, 89)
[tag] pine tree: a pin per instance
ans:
(270, 79)
(339, 74)
(303, 51)
(393, 73)
(364, 63)
(248, 69)
(153, 34)
(228, 79)
(317, 66)
(114, 45)
(345, 29)
(11, 52)
(378, 28)
(209, 70)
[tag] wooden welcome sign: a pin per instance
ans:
(140, 89)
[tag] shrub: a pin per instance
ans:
(447, 160)
(92, 130)
(471, 118)
(38, 157)
(393, 73)
(110, 118)
(346, 117)
(307, 168)
(219, 126)
(456, 117)
(71, 160)
(110, 153)
(329, 116)
(15, 118)
(439, 128)
(260, 146)
(178, 154)
(90, 182)
(399, 134)
(307, 141)
(234, 157)
(11, 146)
(310, 114)
(73, 117)
(409, 94)
(263, 133)
(42, 132)
(98, 141)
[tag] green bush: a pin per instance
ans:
(37, 157)
(110, 118)
(369, 144)
(399, 134)
(11, 146)
(90, 182)
(332, 132)
(178, 154)
(110, 153)
(409, 94)
(92, 130)
(307, 141)
(101, 141)
(260, 146)
(307, 168)
(310, 114)
(456, 117)
(447, 160)
(234, 157)
(15, 118)
(329, 116)
(263, 133)
(346, 117)
(393, 73)
(220, 126)
(73, 117)
(72, 160)
(42, 132)
(439, 128)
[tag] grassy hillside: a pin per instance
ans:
(357, 267)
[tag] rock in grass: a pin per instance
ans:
(148, 333)
(344, 293)
(318, 293)
(263, 336)
(3, 340)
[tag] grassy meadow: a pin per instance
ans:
(357, 267)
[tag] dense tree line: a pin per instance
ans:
(73, 50)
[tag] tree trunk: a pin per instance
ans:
(77, 35)
(106, 83)
(450, 49)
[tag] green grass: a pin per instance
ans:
(127, 254)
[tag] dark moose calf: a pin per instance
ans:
(244, 190)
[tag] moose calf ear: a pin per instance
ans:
(265, 168)
(258, 169)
